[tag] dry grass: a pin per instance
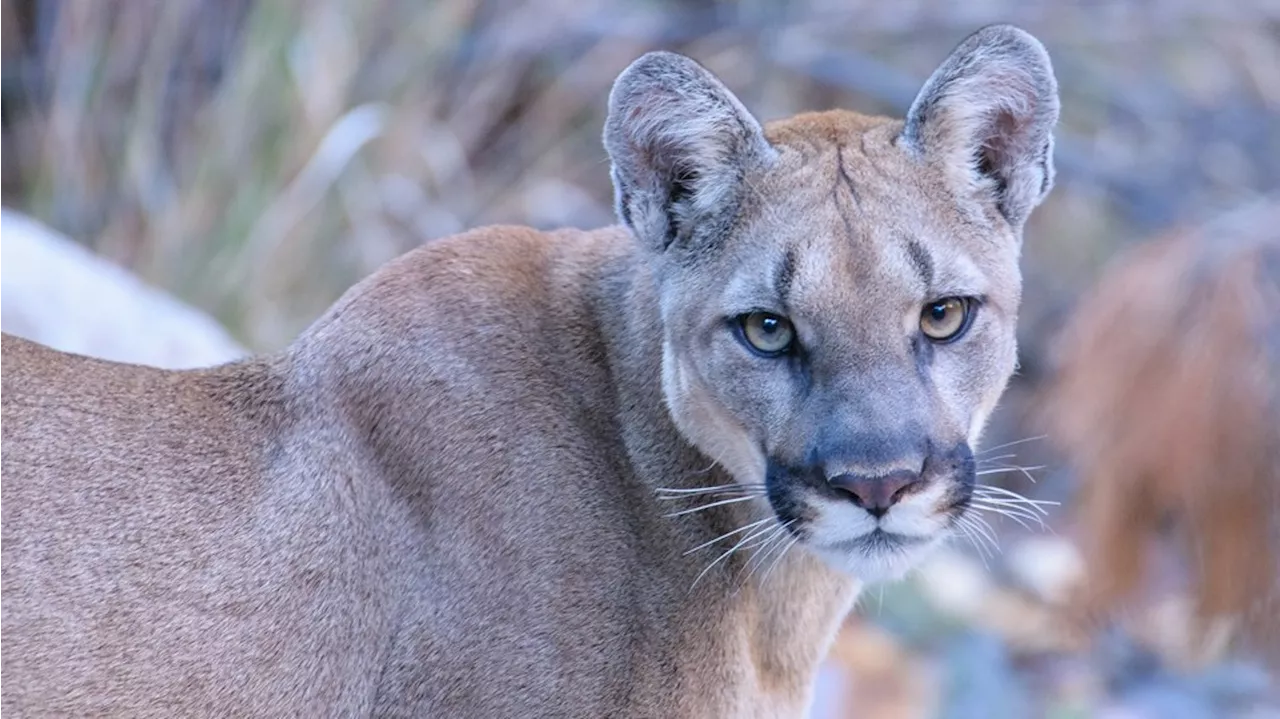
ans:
(256, 158)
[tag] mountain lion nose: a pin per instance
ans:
(877, 494)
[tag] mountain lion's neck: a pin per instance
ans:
(786, 612)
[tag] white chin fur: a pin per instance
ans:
(839, 525)
(878, 566)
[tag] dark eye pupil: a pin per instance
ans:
(939, 311)
(769, 325)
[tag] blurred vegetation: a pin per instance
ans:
(257, 158)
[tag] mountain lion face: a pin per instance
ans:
(839, 293)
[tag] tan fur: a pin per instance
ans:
(1166, 402)
(447, 497)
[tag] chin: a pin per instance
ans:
(878, 556)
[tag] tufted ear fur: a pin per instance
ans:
(989, 112)
(680, 144)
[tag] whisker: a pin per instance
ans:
(1023, 505)
(1017, 517)
(984, 530)
(965, 525)
(758, 543)
(708, 468)
(705, 507)
(1026, 471)
(996, 504)
(728, 552)
(775, 539)
(989, 460)
(710, 494)
(1010, 444)
(765, 577)
(745, 528)
(989, 532)
(700, 490)
(967, 531)
(998, 470)
(986, 490)
(963, 531)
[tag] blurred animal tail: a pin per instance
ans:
(1166, 404)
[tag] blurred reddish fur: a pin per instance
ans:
(1165, 403)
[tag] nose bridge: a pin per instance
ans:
(876, 425)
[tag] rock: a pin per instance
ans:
(1049, 567)
(57, 293)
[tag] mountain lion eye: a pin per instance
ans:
(767, 333)
(946, 319)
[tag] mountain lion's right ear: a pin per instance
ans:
(680, 144)
(987, 114)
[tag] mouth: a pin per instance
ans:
(879, 554)
(857, 542)
(879, 541)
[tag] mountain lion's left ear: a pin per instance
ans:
(988, 112)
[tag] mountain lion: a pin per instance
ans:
(636, 471)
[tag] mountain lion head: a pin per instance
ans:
(839, 292)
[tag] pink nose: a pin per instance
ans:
(877, 494)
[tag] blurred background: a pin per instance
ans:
(254, 159)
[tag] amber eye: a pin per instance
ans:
(767, 333)
(946, 319)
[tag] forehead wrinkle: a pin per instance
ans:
(784, 276)
(922, 261)
(899, 265)
(768, 288)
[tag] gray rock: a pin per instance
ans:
(58, 293)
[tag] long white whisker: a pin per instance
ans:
(1011, 515)
(770, 544)
(983, 529)
(962, 524)
(1002, 507)
(705, 507)
(1026, 471)
(979, 540)
(765, 577)
(998, 470)
(965, 525)
(699, 490)
(1039, 504)
(729, 552)
(1022, 505)
(967, 531)
(989, 460)
(696, 490)
(710, 494)
(744, 528)
(988, 489)
(1010, 444)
